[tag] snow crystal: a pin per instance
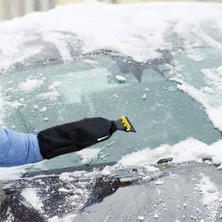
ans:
(120, 79)
(159, 182)
(46, 119)
(141, 218)
(43, 109)
(156, 216)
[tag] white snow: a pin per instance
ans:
(77, 174)
(120, 28)
(43, 109)
(209, 94)
(58, 40)
(31, 196)
(210, 197)
(106, 171)
(65, 177)
(120, 79)
(67, 218)
(141, 218)
(159, 182)
(89, 154)
(98, 25)
(188, 150)
(30, 85)
(12, 172)
(135, 31)
(52, 96)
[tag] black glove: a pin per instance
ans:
(71, 137)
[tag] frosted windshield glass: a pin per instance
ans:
(108, 87)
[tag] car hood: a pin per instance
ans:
(184, 191)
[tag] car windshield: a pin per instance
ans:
(170, 93)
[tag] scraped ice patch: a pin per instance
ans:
(30, 85)
(31, 196)
(88, 155)
(187, 150)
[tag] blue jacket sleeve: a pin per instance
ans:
(18, 148)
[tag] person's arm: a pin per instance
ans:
(18, 148)
(75, 136)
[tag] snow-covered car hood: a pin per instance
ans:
(175, 192)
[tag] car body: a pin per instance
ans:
(160, 67)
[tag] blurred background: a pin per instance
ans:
(14, 8)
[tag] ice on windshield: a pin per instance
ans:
(97, 26)
(202, 80)
(180, 34)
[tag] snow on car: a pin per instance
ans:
(158, 63)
